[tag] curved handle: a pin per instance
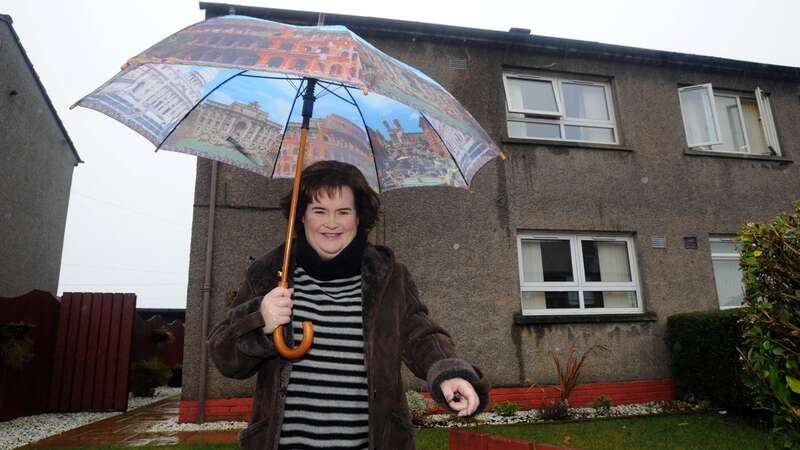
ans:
(293, 353)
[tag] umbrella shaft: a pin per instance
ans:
(308, 109)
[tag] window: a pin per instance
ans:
(578, 274)
(727, 275)
(560, 109)
(728, 122)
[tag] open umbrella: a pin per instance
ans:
(227, 89)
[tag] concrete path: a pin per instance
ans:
(130, 430)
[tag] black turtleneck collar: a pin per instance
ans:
(346, 264)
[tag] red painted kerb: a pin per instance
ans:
(630, 392)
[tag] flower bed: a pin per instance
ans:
(534, 416)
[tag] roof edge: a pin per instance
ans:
(589, 48)
(9, 21)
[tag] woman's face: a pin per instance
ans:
(331, 222)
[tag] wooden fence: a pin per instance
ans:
(92, 352)
(24, 391)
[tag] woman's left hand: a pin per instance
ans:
(460, 395)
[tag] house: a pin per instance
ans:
(37, 158)
(628, 173)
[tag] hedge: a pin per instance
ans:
(705, 362)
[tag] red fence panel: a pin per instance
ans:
(25, 392)
(92, 356)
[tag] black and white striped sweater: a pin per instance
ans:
(327, 400)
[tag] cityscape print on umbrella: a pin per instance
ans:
(250, 118)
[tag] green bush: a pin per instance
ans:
(602, 403)
(704, 358)
(147, 375)
(770, 262)
(505, 409)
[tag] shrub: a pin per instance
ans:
(602, 403)
(16, 346)
(569, 373)
(147, 375)
(704, 358)
(417, 405)
(555, 410)
(770, 262)
(505, 409)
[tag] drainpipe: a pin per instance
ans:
(206, 289)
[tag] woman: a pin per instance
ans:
(346, 392)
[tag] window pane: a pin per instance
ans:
(730, 125)
(728, 278)
(583, 101)
(532, 261)
(606, 261)
(534, 130)
(610, 299)
(546, 260)
(752, 124)
(550, 300)
(697, 116)
(594, 134)
(531, 95)
(723, 247)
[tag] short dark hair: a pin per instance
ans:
(330, 177)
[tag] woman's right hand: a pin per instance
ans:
(276, 308)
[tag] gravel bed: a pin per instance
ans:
(534, 416)
(173, 425)
(24, 430)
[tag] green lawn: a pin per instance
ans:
(684, 432)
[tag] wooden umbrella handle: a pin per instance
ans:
(293, 353)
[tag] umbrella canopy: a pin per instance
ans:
(227, 89)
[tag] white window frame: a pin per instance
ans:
(712, 108)
(735, 256)
(764, 111)
(560, 118)
(534, 112)
(580, 284)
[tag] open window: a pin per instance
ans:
(727, 274)
(728, 122)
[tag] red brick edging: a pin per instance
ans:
(239, 409)
(470, 440)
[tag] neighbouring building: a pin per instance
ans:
(37, 158)
(628, 172)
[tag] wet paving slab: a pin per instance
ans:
(130, 430)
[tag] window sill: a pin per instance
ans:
(519, 319)
(777, 159)
(571, 144)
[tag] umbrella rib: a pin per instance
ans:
(286, 127)
(466, 183)
(371, 146)
(336, 95)
(195, 106)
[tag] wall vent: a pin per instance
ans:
(457, 63)
(658, 242)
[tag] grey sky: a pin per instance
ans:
(129, 221)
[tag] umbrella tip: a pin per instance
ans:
(124, 67)
(365, 90)
(503, 156)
